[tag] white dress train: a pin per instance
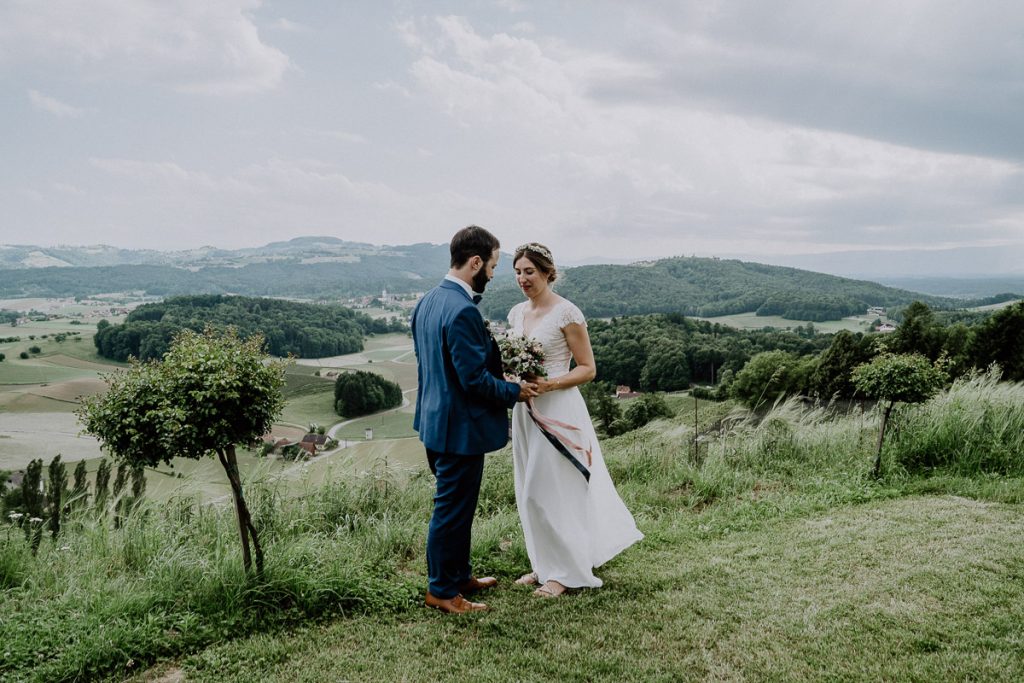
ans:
(570, 526)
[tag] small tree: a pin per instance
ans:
(79, 488)
(897, 378)
(102, 486)
(121, 479)
(55, 493)
(210, 392)
(32, 501)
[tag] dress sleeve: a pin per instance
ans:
(569, 314)
(511, 317)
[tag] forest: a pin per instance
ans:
(956, 349)
(668, 352)
(300, 329)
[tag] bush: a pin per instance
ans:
(770, 376)
(23, 355)
(638, 413)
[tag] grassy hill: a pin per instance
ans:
(710, 287)
(769, 555)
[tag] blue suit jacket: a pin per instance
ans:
(461, 400)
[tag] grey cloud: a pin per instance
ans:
(943, 77)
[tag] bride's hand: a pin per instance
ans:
(544, 385)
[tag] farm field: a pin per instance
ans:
(311, 406)
(39, 394)
(995, 307)
(394, 424)
(752, 321)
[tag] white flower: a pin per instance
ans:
(35, 520)
(15, 516)
(521, 356)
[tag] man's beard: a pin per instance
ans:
(480, 281)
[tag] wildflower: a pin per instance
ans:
(15, 516)
(35, 520)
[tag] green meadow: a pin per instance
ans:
(770, 554)
(752, 321)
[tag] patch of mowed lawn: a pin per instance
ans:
(908, 589)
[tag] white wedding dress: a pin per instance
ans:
(570, 526)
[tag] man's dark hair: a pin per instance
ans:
(472, 241)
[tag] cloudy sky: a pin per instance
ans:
(847, 132)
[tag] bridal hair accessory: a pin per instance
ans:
(537, 249)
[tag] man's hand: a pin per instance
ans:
(527, 390)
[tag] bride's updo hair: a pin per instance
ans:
(540, 256)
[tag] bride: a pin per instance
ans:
(571, 524)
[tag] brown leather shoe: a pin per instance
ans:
(475, 585)
(456, 605)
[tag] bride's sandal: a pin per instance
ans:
(527, 579)
(550, 589)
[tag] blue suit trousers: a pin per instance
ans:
(451, 524)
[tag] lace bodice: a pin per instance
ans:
(548, 331)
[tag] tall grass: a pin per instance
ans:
(975, 427)
(170, 579)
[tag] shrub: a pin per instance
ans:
(770, 376)
(897, 378)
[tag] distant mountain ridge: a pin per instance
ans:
(323, 267)
(18, 256)
(304, 267)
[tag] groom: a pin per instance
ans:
(461, 412)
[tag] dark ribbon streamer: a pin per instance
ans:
(559, 446)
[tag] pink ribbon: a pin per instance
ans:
(549, 424)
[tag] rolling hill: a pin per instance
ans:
(711, 287)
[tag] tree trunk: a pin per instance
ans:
(881, 435)
(245, 525)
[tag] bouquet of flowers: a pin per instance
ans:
(521, 356)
